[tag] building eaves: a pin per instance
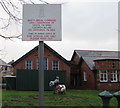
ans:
(36, 48)
(101, 59)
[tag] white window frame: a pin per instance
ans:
(55, 68)
(114, 76)
(84, 76)
(102, 74)
(45, 64)
(28, 64)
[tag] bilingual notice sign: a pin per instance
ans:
(41, 22)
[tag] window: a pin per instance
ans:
(113, 76)
(113, 65)
(45, 64)
(84, 76)
(55, 65)
(103, 76)
(28, 64)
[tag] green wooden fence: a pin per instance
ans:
(28, 79)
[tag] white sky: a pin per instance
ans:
(86, 25)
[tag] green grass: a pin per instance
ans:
(71, 98)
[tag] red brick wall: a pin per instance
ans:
(90, 83)
(78, 70)
(108, 86)
(107, 65)
(48, 54)
(75, 59)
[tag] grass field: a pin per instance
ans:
(71, 98)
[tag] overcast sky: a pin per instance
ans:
(85, 26)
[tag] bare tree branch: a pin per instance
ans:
(10, 37)
(32, 2)
(23, 2)
(13, 15)
(8, 12)
(5, 26)
(14, 7)
(44, 1)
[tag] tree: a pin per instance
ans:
(11, 18)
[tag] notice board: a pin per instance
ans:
(41, 22)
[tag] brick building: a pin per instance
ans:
(88, 69)
(95, 70)
(52, 61)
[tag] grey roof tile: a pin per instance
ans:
(90, 55)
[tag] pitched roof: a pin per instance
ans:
(36, 48)
(3, 63)
(90, 55)
(113, 54)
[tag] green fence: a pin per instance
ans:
(28, 79)
(10, 82)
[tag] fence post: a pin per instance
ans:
(105, 96)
